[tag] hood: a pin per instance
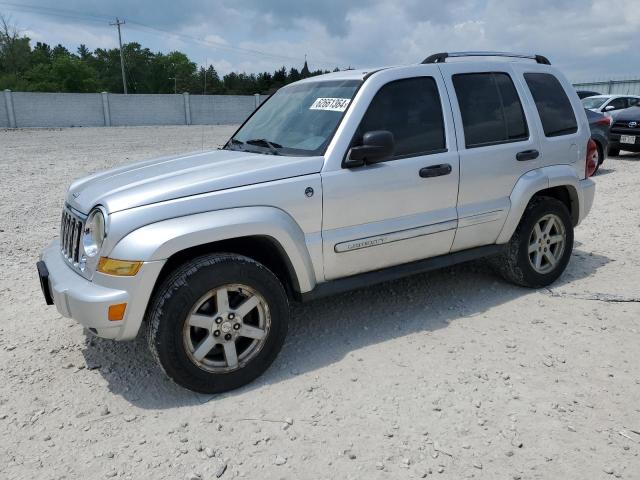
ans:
(168, 178)
(630, 114)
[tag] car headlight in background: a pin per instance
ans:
(94, 233)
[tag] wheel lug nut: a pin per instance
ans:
(216, 333)
(227, 336)
(236, 326)
(232, 316)
(219, 320)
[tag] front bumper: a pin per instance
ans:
(88, 302)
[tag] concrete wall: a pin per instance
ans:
(147, 110)
(616, 87)
(57, 109)
(34, 109)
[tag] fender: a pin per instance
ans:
(534, 181)
(160, 240)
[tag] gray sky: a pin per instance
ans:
(587, 39)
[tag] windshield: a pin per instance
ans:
(593, 102)
(299, 119)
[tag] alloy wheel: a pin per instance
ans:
(226, 328)
(547, 243)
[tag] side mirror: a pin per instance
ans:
(608, 108)
(377, 146)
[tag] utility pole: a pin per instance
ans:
(117, 23)
(204, 92)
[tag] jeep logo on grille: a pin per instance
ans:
(633, 124)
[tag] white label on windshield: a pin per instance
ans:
(332, 104)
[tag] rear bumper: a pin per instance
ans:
(614, 142)
(586, 194)
(88, 302)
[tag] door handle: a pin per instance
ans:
(435, 170)
(527, 155)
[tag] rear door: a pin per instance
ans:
(495, 142)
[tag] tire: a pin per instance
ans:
(600, 158)
(516, 264)
(614, 152)
(184, 314)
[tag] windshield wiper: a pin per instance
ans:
(263, 142)
(232, 142)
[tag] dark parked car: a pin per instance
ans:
(625, 131)
(600, 125)
(586, 93)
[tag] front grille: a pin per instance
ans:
(623, 128)
(71, 229)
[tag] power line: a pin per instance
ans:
(133, 23)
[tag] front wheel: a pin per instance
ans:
(541, 246)
(217, 322)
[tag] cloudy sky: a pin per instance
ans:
(588, 39)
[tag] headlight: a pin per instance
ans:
(94, 233)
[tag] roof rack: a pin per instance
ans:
(441, 57)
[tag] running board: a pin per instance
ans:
(396, 272)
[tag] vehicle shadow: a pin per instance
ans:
(322, 332)
(627, 157)
(602, 171)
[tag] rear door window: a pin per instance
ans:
(491, 109)
(554, 107)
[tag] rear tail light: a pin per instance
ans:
(591, 162)
(607, 121)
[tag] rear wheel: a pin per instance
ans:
(600, 158)
(218, 322)
(541, 246)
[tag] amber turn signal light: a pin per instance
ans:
(121, 268)
(116, 312)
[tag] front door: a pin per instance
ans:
(402, 209)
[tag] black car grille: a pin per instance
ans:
(622, 127)
(71, 229)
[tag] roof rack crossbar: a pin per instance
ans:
(441, 57)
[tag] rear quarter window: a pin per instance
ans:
(554, 107)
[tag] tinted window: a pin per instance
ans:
(554, 107)
(617, 104)
(411, 110)
(491, 109)
(633, 101)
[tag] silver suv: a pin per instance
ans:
(336, 182)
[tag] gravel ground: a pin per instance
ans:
(454, 374)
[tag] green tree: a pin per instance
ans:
(14, 54)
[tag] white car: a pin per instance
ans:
(610, 103)
(335, 183)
